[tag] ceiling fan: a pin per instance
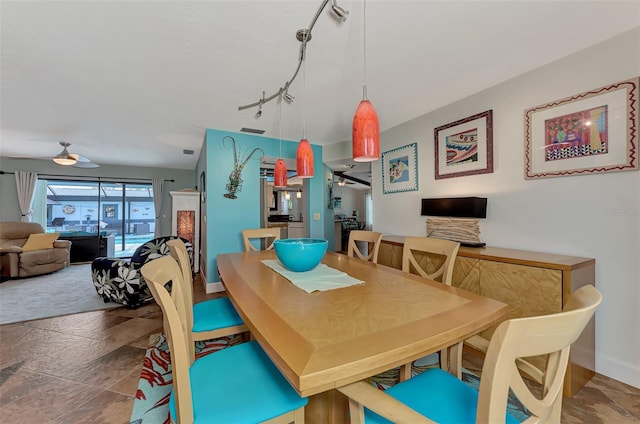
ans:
(72, 159)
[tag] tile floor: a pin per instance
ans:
(84, 368)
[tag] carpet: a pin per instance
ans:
(151, 404)
(68, 291)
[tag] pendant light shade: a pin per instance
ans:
(304, 159)
(280, 174)
(366, 133)
(365, 136)
(280, 171)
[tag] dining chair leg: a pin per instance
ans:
(298, 416)
(356, 412)
(451, 360)
(405, 372)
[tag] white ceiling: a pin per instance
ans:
(136, 82)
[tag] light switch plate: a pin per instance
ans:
(316, 216)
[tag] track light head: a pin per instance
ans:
(288, 97)
(259, 112)
(339, 12)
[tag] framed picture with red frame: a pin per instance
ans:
(464, 147)
(588, 133)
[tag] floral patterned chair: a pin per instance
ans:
(119, 280)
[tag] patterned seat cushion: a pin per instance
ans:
(120, 280)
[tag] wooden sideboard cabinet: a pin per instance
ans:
(531, 283)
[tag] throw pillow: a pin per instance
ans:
(40, 241)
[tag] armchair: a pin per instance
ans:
(120, 280)
(44, 256)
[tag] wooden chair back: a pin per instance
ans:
(179, 253)
(439, 247)
(268, 234)
(157, 273)
(372, 239)
(524, 337)
(520, 337)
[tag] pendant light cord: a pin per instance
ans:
(364, 42)
(304, 97)
(280, 123)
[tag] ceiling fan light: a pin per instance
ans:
(280, 174)
(304, 159)
(65, 160)
(366, 133)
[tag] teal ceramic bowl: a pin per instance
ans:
(300, 254)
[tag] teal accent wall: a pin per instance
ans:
(226, 218)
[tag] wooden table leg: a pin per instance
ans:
(327, 407)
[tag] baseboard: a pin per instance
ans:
(622, 371)
(214, 287)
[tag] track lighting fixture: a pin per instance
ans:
(260, 103)
(339, 12)
(288, 97)
(304, 36)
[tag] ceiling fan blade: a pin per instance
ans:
(85, 165)
(78, 157)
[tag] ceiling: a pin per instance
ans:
(137, 82)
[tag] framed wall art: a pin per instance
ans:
(465, 147)
(588, 133)
(400, 169)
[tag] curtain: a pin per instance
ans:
(26, 185)
(158, 194)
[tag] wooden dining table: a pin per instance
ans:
(326, 339)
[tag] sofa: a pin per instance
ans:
(120, 280)
(26, 250)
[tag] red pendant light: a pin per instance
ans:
(280, 171)
(366, 133)
(280, 174)
(304, 154)
(304, 159)
(365, 136)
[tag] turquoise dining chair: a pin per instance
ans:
(238, 384)
(208, 319)
(436, 395)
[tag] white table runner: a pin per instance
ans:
(320, 278)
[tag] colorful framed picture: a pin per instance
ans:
(400, 169)
(588, 133)
(465, 147)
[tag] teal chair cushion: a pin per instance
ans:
(213, 314)
(238, 384)
(437, 395)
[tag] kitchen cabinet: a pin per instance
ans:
(531, 283)
(297, 230)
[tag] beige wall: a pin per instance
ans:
(567, 215)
